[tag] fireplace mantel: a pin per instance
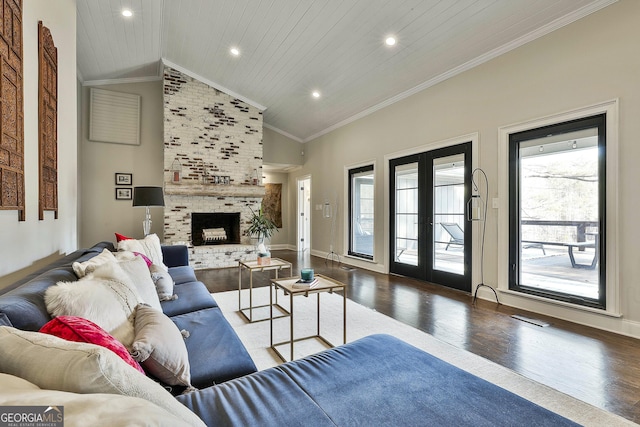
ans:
(213, 190)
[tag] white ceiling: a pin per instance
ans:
(291, 47)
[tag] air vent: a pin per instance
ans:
(536, 322)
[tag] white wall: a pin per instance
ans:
(26, 245)
(280, 150)
(284, 237)
(587, 62)
(101, 214)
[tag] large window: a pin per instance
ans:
(361, 205)
(557, 211)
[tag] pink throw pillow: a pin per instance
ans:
(145, 258)
(78, 329)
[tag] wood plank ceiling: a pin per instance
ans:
(289, 48)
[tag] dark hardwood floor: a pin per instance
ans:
(592, 365)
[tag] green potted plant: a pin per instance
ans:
(261, 226)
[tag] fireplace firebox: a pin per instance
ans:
(215, 228)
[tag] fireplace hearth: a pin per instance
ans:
(215, 228)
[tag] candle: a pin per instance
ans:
(306, 274)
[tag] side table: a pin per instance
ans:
(276, 264)
(323, 284)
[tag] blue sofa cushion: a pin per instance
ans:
(25, 307)
(216, 354)
(175, 256)
(375, 381)
(65, 261)
(98, 247)
(367, 375)
(4, 320)
(270, 398)
(192, 296)
(183, 274)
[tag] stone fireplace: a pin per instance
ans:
(210, 134)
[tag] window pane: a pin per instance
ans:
(406, 243)
(559, 205)
(362, 216)
(448, 215)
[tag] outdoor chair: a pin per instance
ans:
(456, 233)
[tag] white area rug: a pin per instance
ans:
(362, 321)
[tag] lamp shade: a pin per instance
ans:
(148, 196)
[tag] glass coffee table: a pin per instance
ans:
(275, 264)
(323, 284)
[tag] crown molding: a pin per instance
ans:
(121, 81)
(529, 37)
(281, 132)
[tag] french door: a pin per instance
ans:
(430, 233)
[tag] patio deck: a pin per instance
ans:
(552, 271)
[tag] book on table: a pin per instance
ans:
(304, 284)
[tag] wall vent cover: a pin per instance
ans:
(536, 322)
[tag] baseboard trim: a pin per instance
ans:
(602, 321)
(347, 260)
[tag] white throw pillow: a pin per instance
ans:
(163, 282)
(83, 268)
(96, 410)
(52, 363)
(149, 246)
(137, 270)
(107, 297)
(159, 347)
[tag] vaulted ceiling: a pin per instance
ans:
(290, 48)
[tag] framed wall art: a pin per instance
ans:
(124, 178)
(48, 121)
(123, 193)
(12, 117)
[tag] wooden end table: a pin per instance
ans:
(324, 284)
(275, 264)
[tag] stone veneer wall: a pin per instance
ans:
(210, 133)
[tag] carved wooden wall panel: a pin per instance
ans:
(48, 121)
(11, 109)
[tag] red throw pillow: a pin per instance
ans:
(78, 329)
(120, 237)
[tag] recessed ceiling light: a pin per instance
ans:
(127, 13)
(315, 94)
(390, 41)
(234, 51)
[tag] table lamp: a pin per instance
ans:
(147, 196)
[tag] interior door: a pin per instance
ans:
(430, 233)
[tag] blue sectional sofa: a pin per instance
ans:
(378, 380)
(194, 310)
